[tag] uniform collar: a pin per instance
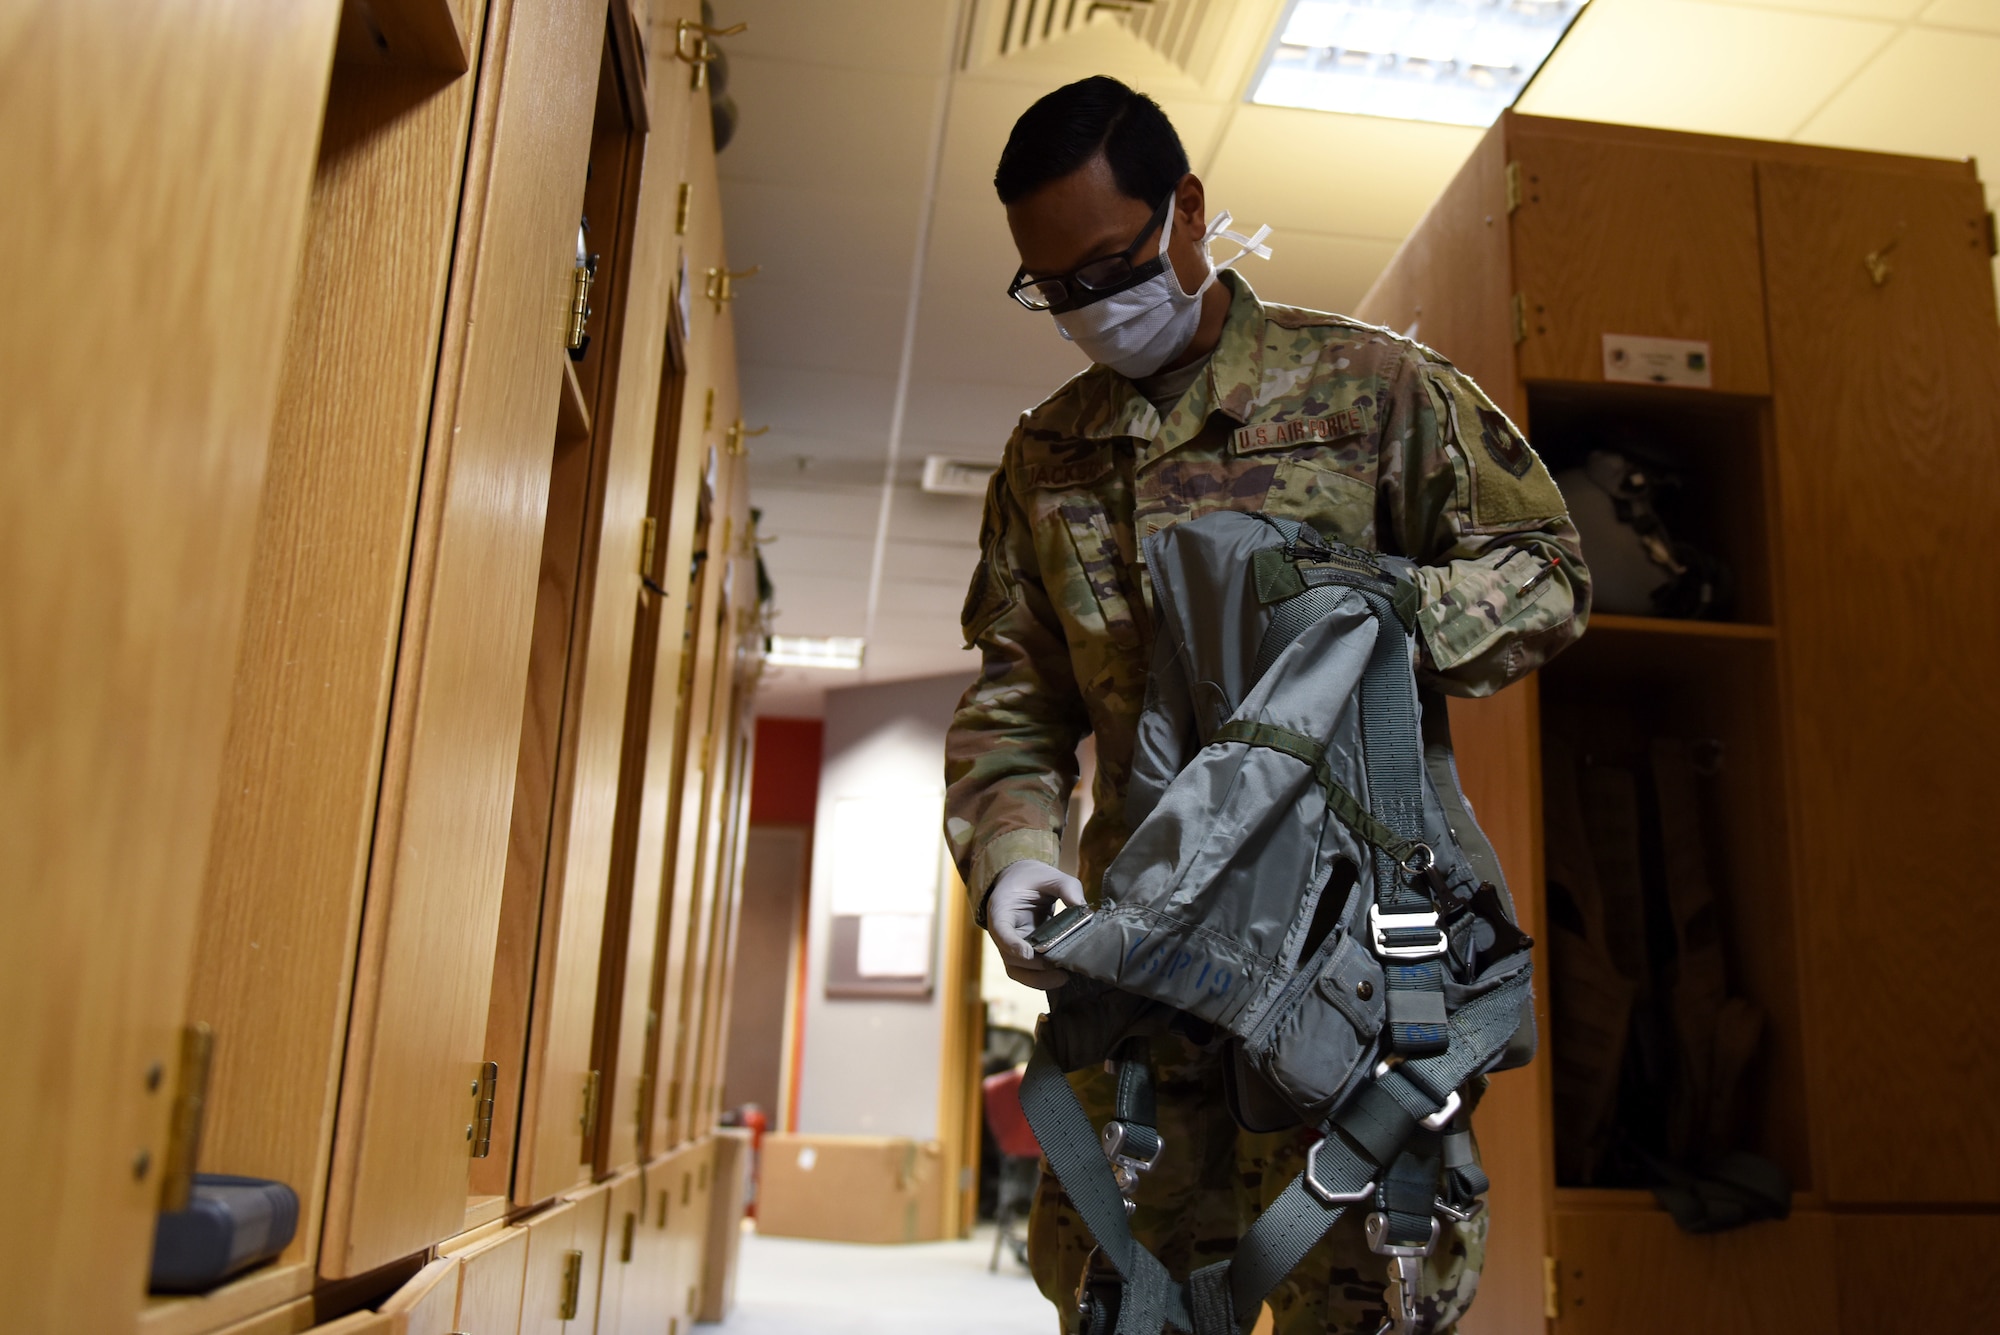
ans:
(1229, 383)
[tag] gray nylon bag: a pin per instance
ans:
(1259, 820)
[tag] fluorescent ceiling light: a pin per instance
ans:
(820, 651)
(945, 476)
(1461, 62)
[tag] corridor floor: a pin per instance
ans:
(786, 1286)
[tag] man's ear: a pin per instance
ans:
(1190, 207)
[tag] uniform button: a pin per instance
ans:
(1364, 989)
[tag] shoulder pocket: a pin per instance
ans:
(992, 589)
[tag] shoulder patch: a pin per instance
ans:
(1503, 444)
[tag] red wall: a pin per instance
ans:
(784, 785)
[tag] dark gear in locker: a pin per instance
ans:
(1656, 1061)
(1638, 567)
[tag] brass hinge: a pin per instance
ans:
(648, 531)
(1992, 236)
(587, 1123)
(1520, 310)
(1513, 187)
(663, 1209)
(684, 208)
(572, 1287)
(184, 1131)
(484, 1090)
(631, 1235)
(1551, 1295)
(708, 411)
(581, 278)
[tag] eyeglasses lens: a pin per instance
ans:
(1041, 296)
(1105, 273)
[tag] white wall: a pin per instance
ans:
(870, 1066)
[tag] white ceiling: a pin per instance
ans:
(860, 179)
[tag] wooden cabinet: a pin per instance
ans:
(492, 1282)
(1846, 307)
(158, 163)
(423, 981)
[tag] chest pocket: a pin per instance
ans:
(1102, 569)
(1335, 504)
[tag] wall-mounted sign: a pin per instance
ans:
(1636, 359)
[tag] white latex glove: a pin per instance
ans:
(1023, 894)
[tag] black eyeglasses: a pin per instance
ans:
(1099, 278)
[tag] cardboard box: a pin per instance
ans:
(851, 1188)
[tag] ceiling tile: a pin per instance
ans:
(898, 36)
(1335, 175)
(1895, 11)
(1981, 15)
(815, 126)
(820, 604)
(1712, 68)
(814, 402)
(962, 413)
(791, 230)
(1929, 92)
(920, 516)
(977, 334)
(814, 322)
(832, 511)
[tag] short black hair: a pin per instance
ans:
(1072, 125)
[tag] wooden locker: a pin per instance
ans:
(414, 1046)
(492, 1279)
(1615, 235)
(158, 162)
(624, 1207)
(1631, 1269)
(281, 904)
(691, 526)
(650, 403)
(428, 1304)
(1888, 450)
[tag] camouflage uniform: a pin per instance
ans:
(1373, 440)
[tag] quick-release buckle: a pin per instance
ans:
(1438, 1120)
(1380, 923)
(1125, 1168)
(1329, 1195)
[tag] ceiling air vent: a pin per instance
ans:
(956, 477)
(1186, 32)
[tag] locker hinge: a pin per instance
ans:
(587, 1123)
(674, 1099)
(1520, 310)
(648, 532)
(708, 411)
(1513, 187)
(1992, 236)
(1551, 1294)
(684, 208)
(572, 1286)
(626, 1241)
(484, 1089)
(580, 279)
(184, 1131)
(642, 1111)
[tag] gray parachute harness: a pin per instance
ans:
(1305, 883)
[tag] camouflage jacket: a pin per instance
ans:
(1368, 437)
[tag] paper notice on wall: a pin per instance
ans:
(894, 945)
(1636, 359)
(887, 854)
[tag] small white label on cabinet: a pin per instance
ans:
(808, 1158)
(1657, 361)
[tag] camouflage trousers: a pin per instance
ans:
(1212, 1180)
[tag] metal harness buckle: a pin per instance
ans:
(1125, 1168)
(1426, 920)
(1409, 1259)
(1328, 1195)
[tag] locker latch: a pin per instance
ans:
(734, 437)
(184, 1131)
(572, 1284)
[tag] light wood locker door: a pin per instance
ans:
(492, 1277)
(399, 1169)
(1617, 236)
(1626, 1270)
(288, 858)
(649, 406)
(428, 1304)
(1888, 445)
(624, 1204)
(1497, 742)
(554, 1270)
(157, 161)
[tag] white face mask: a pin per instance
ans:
(1137, 331)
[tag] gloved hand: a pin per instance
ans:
(1023, 894)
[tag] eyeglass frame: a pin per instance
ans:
(1135, 274)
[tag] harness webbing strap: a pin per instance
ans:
(1151, 1299)
(1344, 804)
